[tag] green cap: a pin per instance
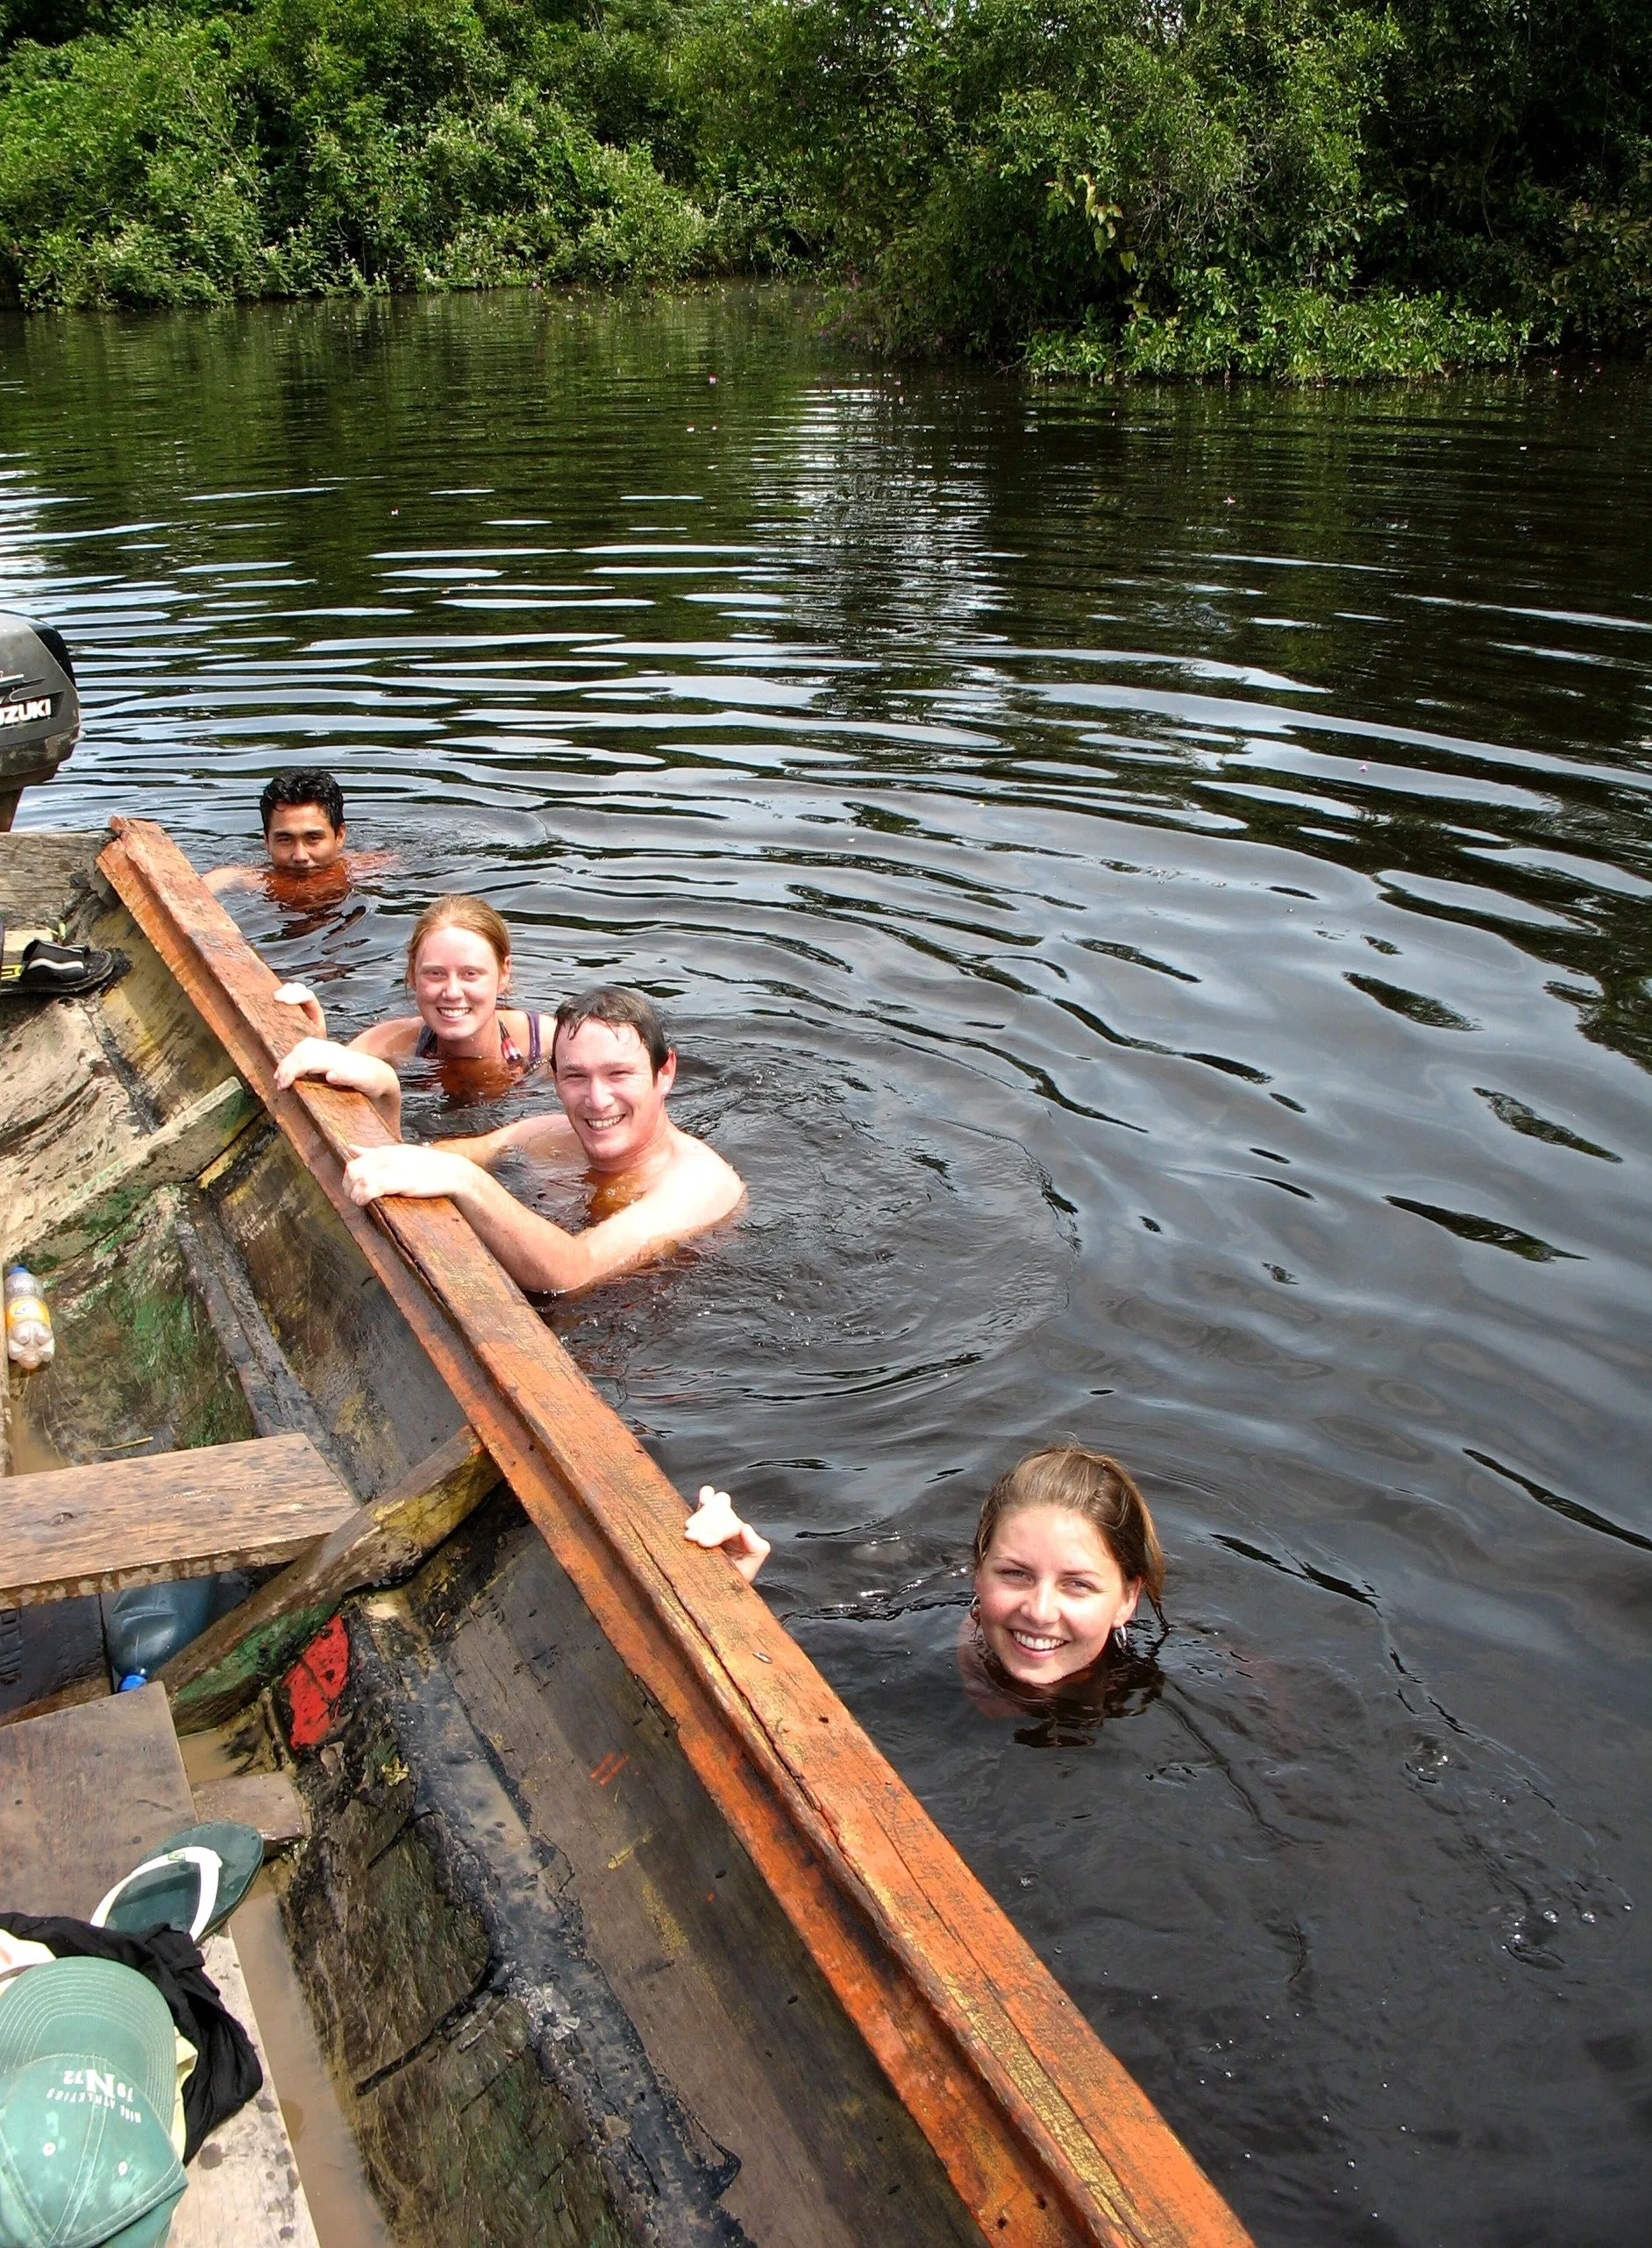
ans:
(87, 2079)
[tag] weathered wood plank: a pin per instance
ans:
(41, 873)
(267, 1801)
(243, 2189)
(93, 1686)
(380, 1543)
(729, 2007)
(168, 1514)
(495, 2088)
(182, 1148)
(84, 1794)
(1046, 2139)
(64, 1118)
(384, 1405)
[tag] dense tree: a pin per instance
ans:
(1293, 186)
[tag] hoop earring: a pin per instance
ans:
(1121, 1639)
(975, 1609)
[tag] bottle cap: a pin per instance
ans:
(133, 1678)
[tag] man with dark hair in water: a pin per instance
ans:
(302, 811)
(649, 1186)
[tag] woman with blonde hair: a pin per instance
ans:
(457, 970)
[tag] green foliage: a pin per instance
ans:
(120, 178)
(1290, 333)
(1302, 189)
(1287, 186)
(368, 143)
(1513, 156)
(1006, 166)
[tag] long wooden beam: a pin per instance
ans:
(1047, 2139)
(382, 1542)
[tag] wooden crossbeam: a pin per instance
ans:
(168, 1514)
(380, 1543)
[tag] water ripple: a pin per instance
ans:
(1036, 811)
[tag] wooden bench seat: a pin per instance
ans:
(168, 1514)
(85, 1794)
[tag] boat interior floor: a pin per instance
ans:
(85, 1794)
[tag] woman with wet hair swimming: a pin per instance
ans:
(457, 970)
(1065, 1550)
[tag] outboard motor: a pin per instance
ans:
(40, 710)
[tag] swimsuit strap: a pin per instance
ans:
(510, 1053)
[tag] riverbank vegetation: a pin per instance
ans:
(1293, 188)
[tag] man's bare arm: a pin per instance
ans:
(538, 1254)
(220, 878)
(531, 1135)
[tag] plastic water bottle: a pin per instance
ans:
(145, 1626)
(29, 1339)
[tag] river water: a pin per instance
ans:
(1150, 887)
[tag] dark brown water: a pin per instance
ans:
(1153, 890)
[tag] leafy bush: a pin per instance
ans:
(1292, 333)
(370, 144)
(1303, 189)
(123, 177)
(1200, 184)
(1009, 163)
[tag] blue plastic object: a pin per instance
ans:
(145, 1626)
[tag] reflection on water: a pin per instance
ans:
(1151, 888)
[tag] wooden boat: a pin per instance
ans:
(613, 1921)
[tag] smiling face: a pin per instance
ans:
(614, 1102)
(302, 840)
(457, 981)
(1050, 1595)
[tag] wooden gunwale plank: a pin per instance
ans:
(1036, 2121)
(763, 1738)
(942, 2089)
(72, 1531)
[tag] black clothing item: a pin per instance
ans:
(226, 2073)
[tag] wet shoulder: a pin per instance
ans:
(716, 1186)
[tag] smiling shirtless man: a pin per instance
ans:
(652, 1185)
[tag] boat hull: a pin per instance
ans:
(613, 1921)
